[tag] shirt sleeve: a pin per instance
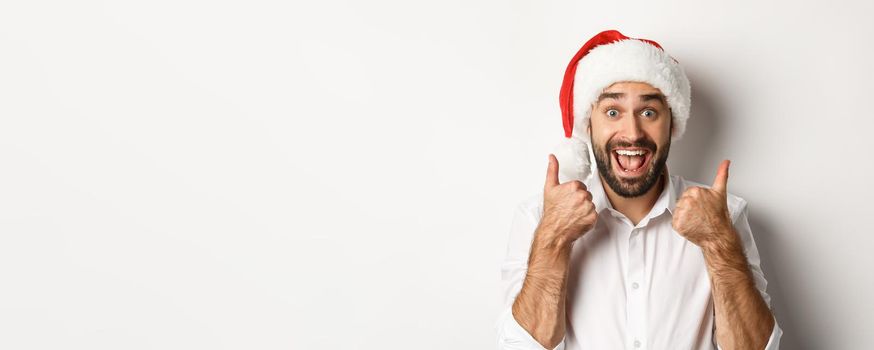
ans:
(742, 226)
(511, 335)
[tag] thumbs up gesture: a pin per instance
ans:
(701, 214)
(568, 211)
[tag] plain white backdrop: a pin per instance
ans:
(341, 175)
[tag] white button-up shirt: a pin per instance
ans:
(629, 287)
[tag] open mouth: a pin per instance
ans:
(631, 162)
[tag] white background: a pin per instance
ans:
(274, 175)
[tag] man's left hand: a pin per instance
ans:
(701, 214)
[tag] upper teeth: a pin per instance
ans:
(630, 152)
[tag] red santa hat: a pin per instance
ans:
(607, 58)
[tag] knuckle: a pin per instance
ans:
(579, 200)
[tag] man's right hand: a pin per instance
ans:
(568, 211)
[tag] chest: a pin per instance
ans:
(638, 284)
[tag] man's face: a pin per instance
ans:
(631, 135)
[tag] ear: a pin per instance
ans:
(671, 114)
(591, 114)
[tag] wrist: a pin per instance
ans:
(724, 240)
(550, 239)
(725, 256)
(550, 254)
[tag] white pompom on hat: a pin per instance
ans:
(607, 58)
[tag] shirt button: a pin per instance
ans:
(637, 343)
(635, 285)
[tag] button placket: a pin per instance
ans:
(636, 298)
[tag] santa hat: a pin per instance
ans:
(607, 58)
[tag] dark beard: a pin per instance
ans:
(636, 187)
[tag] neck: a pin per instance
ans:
(635, 209)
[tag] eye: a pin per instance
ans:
(612, 113)
(648, 113)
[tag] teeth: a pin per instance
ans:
(630, 153)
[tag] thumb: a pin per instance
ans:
(720, 183)
(552, 172)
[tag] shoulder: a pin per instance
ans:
(736, 204)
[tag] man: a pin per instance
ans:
(633, 258)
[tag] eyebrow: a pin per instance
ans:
(610, 95)
(649, 97)
(619, 95)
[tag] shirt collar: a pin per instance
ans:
(667, 200)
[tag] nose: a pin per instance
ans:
(630, 129)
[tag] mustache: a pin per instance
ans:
(647, 144)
